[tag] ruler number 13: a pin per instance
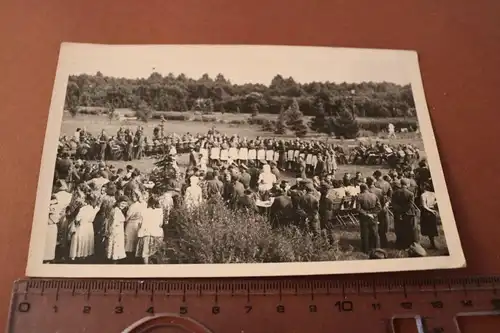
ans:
(344, 306)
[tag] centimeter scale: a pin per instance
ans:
(247, 306)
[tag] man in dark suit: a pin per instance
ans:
(405, 216)
(368, 207)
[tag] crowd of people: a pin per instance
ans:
(101, 214)
(316, 157)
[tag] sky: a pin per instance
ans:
(241, 64)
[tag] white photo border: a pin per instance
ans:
(36, 267)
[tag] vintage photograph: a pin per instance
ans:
(211, 160)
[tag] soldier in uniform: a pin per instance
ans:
(281, 211)
(103, 143)
(245, 177)
(383, 225)
(405, 216)
(310, 206)
(368, 207)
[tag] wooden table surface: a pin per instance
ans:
(458, 42)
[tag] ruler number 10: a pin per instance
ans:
(344, 306)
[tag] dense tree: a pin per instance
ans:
(143, 111)
(295, 119)
(344, 124)
(111, 112)
(281, 122)
(180, 93)
(318, 123)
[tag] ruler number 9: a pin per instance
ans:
(344, 306)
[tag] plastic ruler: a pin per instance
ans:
(249, 306)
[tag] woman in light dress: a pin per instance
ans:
(151, 231)
(194, 194)
(81, 230)
(51, 234)
(266, 178)
(115, 247)
(133, 221)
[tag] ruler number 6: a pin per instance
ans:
(344, 306)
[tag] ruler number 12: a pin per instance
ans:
(344, 306)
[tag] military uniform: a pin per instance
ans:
(405, 216)
(310, 206)
(383, 226)
(369, 207)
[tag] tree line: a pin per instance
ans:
(181, 93)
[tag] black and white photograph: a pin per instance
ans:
(232, 160)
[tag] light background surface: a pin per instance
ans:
(313, 61)
(457, 42)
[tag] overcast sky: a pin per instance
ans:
(242, 64)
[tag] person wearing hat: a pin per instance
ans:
(405, 216)
(368, 208)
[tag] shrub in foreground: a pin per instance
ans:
(213, 233)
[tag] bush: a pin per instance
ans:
(257, 121)
(214, 233)
(238, 122)
(171, 116)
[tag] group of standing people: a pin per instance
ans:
(104, 221)
(100, 214)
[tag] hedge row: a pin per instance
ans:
(371, 125)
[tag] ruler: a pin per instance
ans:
(248, 306)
